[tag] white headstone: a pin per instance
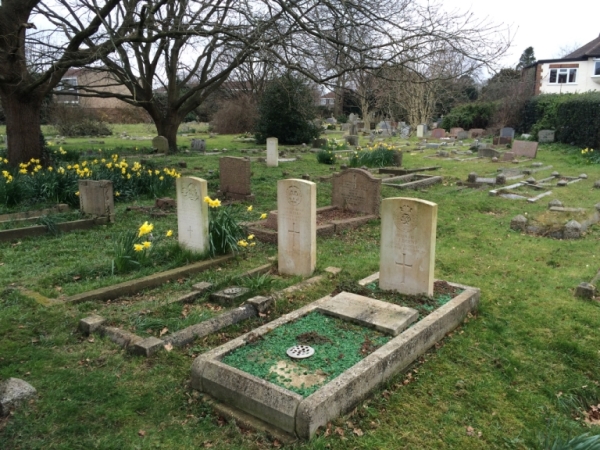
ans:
(192, 213)
(297, 227)
(421, 130)
(407, 257)
(272, 152)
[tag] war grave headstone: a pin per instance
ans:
(234, 175)
(528, 149)
(438, 133)
(545, 136)
(507, 132)
(199, 145)
(355, 201)
(96, 198)
(272, 396)
(296, 227)
(421, 130)
(272, 152)
(192, 213)
(161, 144)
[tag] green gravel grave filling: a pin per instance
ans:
(338, 346)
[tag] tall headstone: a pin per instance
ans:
(356, 190)
(234, 176)
(161, 144)
(192, 213)
(407, 259)
(272, 154)
(507, 132)
(199, 145)
(96, 198)
(296, 227)
(421, 130)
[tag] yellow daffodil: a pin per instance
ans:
(263, 216)
(169, 233)
(253, 244)
(145, 229)
(50, 169)
(249, 208)
(207, 199)
(117, 193)
(250, 237)
(147, 244)
(77, 193)
(242, 243)
(138, 247)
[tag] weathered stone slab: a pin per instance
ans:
(199, 145)
(507, 132)
(508, 156)
(383, 316)
(356, 190)
(476, 133)
(96, 198)
(438, 133)
(192, 213)
(527, 149)
(454, 131)
(408, 228)
(161, 144)
(501, 140)
(234, 177)
(230, 295)
(14, 392)
(545, 136)
(488, 153)
(297, 227)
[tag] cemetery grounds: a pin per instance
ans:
(520, 373)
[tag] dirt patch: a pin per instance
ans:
(312, 338)
(327, 216)
(442, 287)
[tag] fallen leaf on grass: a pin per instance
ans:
(168, 347)
(141, 433)
(358, 432)
(470, 431)
(91, 340)
(339, 431)
(207, 444)
(76, 278)
(165, 330)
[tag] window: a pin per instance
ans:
(597, 68)
(558, 76)
(69, 87)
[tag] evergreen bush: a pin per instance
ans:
(470, 115)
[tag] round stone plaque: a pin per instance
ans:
(232, 291)
(300, 351)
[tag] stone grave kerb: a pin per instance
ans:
(408, 235)
(296, 227)
(192, 213)
(96, 198)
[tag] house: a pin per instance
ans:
(77, 81)
(327, 100)
(578, 71)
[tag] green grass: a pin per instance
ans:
(518, 372)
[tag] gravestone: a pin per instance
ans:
(545, 136)
(421, 130)
(351, 140)
(438, 133)
(476, 133)
(199, 145)
(356, 190)
(508, 156)
(507, 132)
(462, 135)
(405, 132)
(272, 155)
(353, 129)
(527, 149)
(488, 153)
(319, 143)
(501, 140)
(192, 213)
(234, 176)
(454, 131)
(331, 120)
(296, 227)
(161, 144)
(407, 257)
(96, 198)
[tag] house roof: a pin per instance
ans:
(592, 48)
(328, 95)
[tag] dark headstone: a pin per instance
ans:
(356, 190)
(527, 149)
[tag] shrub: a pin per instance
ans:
(380, 155)
(286, 112)
(76, 121)
(325, 157)
(471, 115)
(235, 116)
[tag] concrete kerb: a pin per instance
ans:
(341, 394)
(39, 230)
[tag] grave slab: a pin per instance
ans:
(230, 295)
(383, 316)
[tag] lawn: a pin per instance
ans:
(518, 374)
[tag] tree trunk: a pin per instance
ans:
(168, 127)
(22, 127)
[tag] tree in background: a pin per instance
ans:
(286, 111)
(527, 58)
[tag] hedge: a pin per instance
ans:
(470, 115)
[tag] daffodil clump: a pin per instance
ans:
(134, 249)
(590, 155)
(225, 232)
(335, 144)
(377, 155)
(58, 183)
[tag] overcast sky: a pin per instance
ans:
(545, 26)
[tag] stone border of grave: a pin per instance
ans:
(33, 215)
(149, 346)
(39, 230)
(264, 234)
(587, 290)
(300, 416)
(151, 281)
(399, 171)
(412, 181)
(535, 184)
(570, 230)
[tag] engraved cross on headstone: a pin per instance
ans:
(190, 230)
(293, 230)
(404, 266)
